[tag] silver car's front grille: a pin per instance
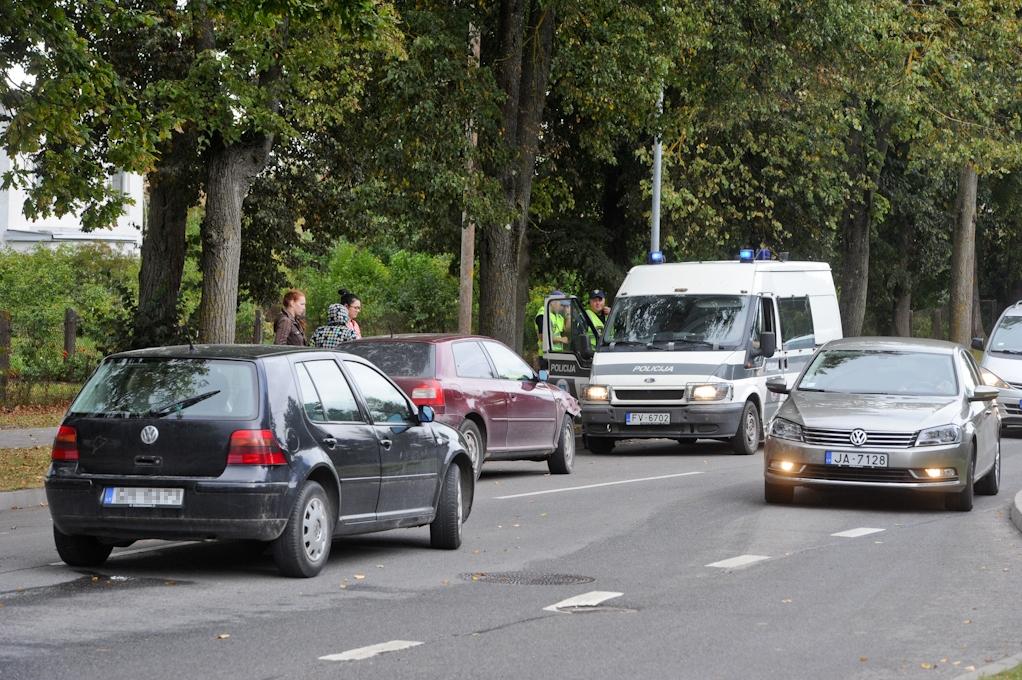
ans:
(848, 474)
(1017, 386)
(1012, 409)
(874, 440)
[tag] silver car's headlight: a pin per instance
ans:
(938, 436)
(785, 429)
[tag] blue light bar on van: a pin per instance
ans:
(746, 255)
(656, 257)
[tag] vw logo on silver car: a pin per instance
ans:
(858, 437)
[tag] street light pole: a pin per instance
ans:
(655, 254)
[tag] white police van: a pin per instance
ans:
(688, 348)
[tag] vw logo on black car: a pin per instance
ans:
(149, 434)
(857, 437)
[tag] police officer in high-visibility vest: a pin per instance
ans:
(558, 340)
(598, 312)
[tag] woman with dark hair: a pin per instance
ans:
(354, 305)
(289, 328)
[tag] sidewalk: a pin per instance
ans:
(24, 439)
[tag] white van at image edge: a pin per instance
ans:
(774, 314)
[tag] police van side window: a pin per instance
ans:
(796, 323)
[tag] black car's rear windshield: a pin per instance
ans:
(176, 388)
(397, 359)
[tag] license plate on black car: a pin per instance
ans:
(142, 497)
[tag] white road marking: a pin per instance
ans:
(738, 562)
(370, 651)
(585, 600)
(855, 533)
(593, 486)
(138, 551)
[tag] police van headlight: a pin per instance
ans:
(708, 391)
(596, 393)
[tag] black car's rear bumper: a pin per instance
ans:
(210, 509)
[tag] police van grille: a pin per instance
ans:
(649, 395)
(874, 440)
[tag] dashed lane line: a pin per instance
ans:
(856, 533)
(371, 651)
(592, 599)
(738, 562)
(594, 486)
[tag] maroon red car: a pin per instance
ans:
(485, 390)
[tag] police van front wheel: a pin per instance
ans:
(746, 439)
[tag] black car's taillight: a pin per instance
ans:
(254, 447)
(65, 444)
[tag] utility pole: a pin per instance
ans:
(468, 227)
(656, 256)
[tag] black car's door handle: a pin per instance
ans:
(386, 444)
(330, 443)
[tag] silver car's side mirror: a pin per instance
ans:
(983, 393)
(777, 385)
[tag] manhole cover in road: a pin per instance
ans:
(525, 578)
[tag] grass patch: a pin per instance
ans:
(1013, 674)
(23, 468)
(22, 393)
(38, 415)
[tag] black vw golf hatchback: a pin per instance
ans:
(288, 446)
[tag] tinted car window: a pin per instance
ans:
(334, 392)
(144, 387)
(386, 402)
(310, 397)
(796, 323)
(855, 371)
(401, 359)
(470, 361)
(509, 365)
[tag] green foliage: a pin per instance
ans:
(37, 288)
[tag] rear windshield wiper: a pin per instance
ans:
(181, 405)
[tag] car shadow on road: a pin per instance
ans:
(874, 500)
(664, 447)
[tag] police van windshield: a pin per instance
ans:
(677, 323)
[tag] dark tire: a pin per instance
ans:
(601, 446)
(445, 530)
(962, 500)
(304, 547)
(778, 493)
(562, 460)
(475, 443)
(81, 551)
(990, 483)
(746, 439)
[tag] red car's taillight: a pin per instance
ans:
(429, 393)
(65, 444)
(254, 447)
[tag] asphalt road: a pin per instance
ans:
(699, 579)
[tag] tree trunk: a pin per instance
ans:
(963, 257)
(522, 66)
(903, 314)
(230, 172)
(977, 307)
(468, 227)
(173, 189)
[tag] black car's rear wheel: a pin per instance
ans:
(562, 460)
(599, 445)
(961, 501)
(302, 550)
(445, 530)
(990, 483)
(81, 551)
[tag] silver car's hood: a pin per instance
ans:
(870, 411)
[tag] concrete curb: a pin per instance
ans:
(993, 669)
(1016, 511)
(23, 498)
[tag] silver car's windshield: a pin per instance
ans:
(677, 323)
(1007, 337)
(857, 371)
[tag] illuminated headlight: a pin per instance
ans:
(785, 429)
(937, 436)
(941, 473)
(708, 392)
(596, 393)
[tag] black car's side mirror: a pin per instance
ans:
(777, 385)
(977, 343)
(767, 344)
(426, 414)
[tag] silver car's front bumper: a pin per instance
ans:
(904, 467)
(1009, 403)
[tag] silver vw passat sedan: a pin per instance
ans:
(886, 413)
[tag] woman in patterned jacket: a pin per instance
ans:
(336, 331)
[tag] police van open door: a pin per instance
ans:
(569, 342)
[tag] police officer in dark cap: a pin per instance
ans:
(598, 311)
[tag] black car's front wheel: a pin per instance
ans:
(302, 550)
(81, 551)
(562, 460)
(445, 530)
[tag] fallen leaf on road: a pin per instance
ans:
(476, 551)
(223, 636)
(944, 660)
(926, 665)
(967, 621)
(970, 668)
(956, 663)
(170, 583)
(444, 582)
(518, 525)
(359, 577)
(95, 578)
(379, 566)
(863, 659)
(786, 600)
(542, 514)
(344, 586)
